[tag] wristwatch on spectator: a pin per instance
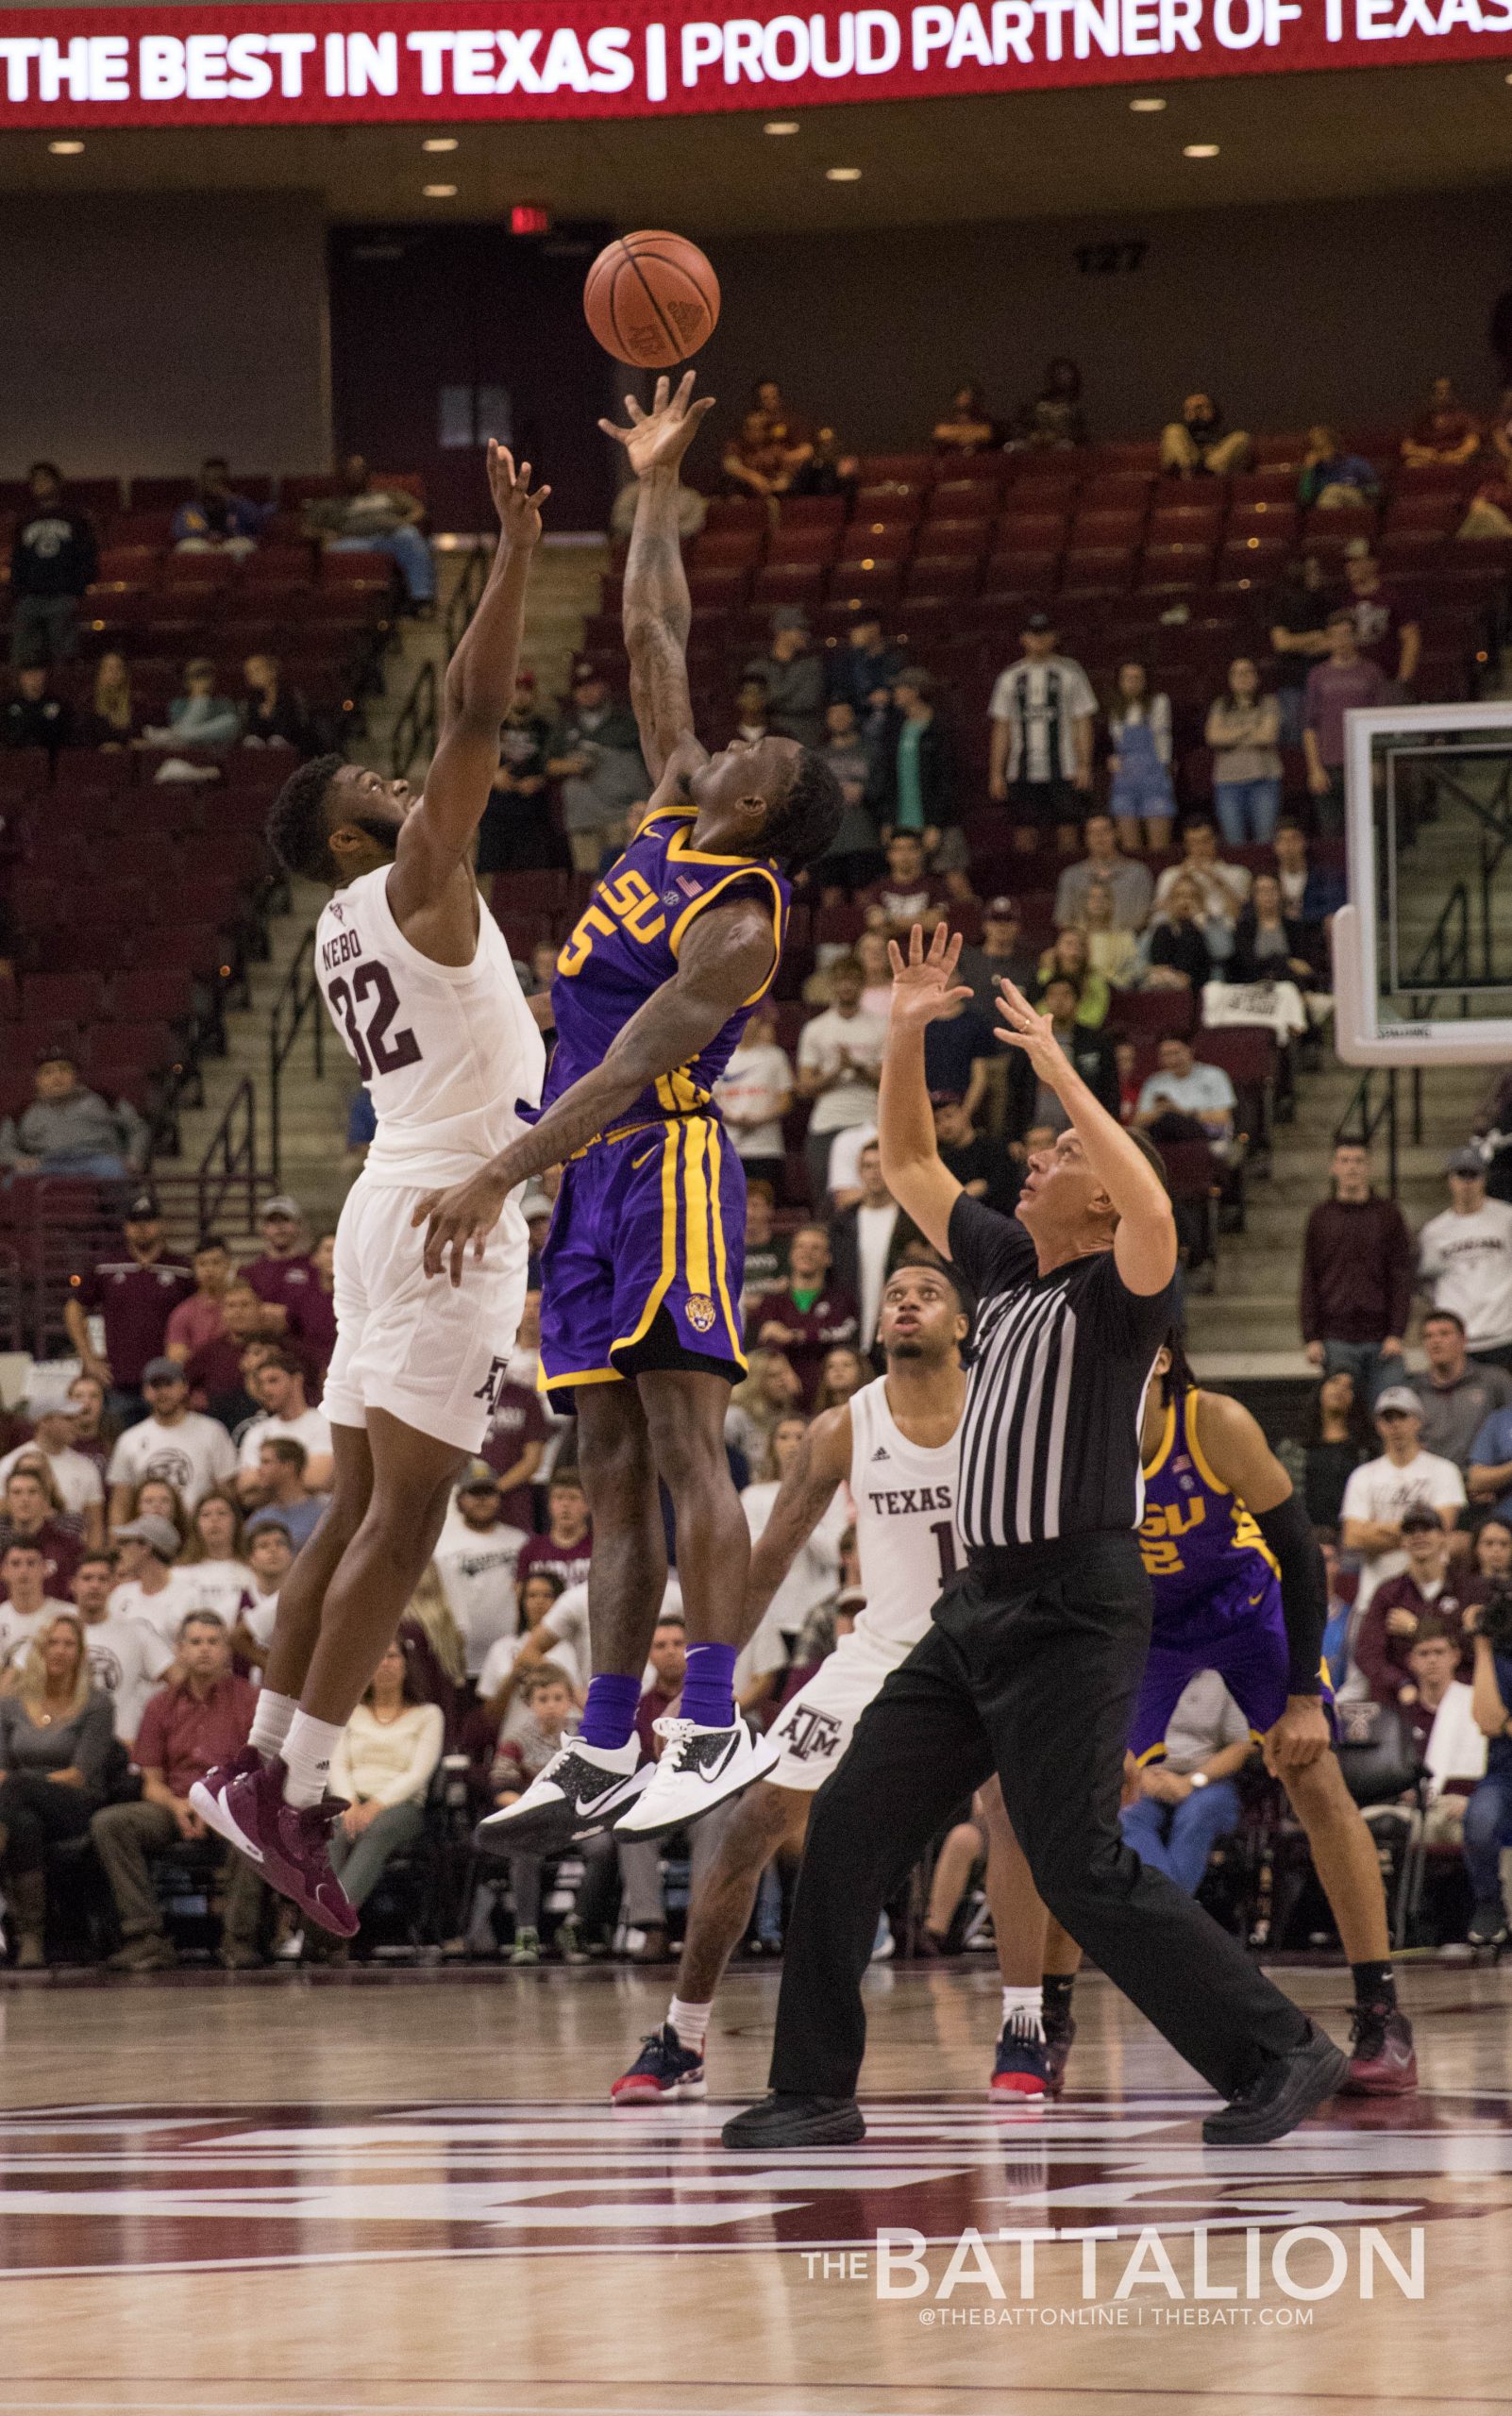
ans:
(1198, 1778)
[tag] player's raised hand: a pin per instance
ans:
(658, 439)
(924, 982)
(460, 1219)
(519, 511)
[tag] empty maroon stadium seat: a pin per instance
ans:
(736, 512)
(1106, 525)
(60, 999)
(811, 510)
(154, 996)
(1140, 453)
(1154, 1015)
(969, 492)
(940, 575)
(1253, 557)
(1174, 567)
(1433, 507)
(913, 469)
(1186, 524)
(290, 565)
(788, 584)
(817, 545)
(890, 499)
(856, 584)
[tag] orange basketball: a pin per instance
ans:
(651, 299)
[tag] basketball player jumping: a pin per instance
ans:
(420, 982)
(1240, 1587)
(642, 1268)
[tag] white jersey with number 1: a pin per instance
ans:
(450, 1054)
(909, 1546)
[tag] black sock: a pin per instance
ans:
(1056, 1991)
(1375, 1983)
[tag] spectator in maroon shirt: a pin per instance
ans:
(33, 1512)
(514, 1446)
(284, 1276)
(1357, 1276)
(567, 1545)
(1386, 630)
(135, 1292)
(1429, 1587)
(216, 1372)
(1442, 432)
(198, 1319)
(203, 1719)
(1343, 682)
(317, 1312)
(809, 1316)
(908, 893)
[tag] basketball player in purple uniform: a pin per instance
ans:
(1240, 1587)
(641, 1272)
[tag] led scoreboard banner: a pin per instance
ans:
(267, 65)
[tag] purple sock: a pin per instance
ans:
(609, 1718)
(706, 1690)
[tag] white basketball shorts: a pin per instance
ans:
(820, 1722)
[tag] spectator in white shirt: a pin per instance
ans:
(1465, 1257)
(280, 1385)
(510, 1658)
(1221, 888)
(149, 1586)
(385, 1759)
(78, 1479)
(28, 1608)
(1181, 1087)
(753, 1094)
(478, 1553)
(1379, 1495)
(815, 1570)
(127, 1657)
(839, 1067)
(270, 1556)
(217, 1551)
(1042, 712)
(173, 1441)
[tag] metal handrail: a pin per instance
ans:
(415, 732)
(297, 1003)
(230, 1158)
(465, 595)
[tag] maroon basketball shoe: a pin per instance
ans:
(292, 1842)
(1382, 2059)
(208, 1798)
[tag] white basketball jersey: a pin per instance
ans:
(907, 1541)
(447, 1051)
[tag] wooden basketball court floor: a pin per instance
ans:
(409, 2196)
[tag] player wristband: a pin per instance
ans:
(1303, 1590)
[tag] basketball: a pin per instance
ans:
(651, 299)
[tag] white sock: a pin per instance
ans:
(271, 1720)
(1021, 2012)
(306, 1755)
(691, 2022)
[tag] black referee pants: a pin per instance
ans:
(1030, 1668)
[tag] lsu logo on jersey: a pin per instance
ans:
(627, 901)
(1164, 1523)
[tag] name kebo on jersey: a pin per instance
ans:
(911, 1500)
(339, 950)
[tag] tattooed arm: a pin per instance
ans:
(657, 610)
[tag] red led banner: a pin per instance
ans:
(260, 65)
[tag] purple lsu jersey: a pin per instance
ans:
(1208, 1561)
(625, 946)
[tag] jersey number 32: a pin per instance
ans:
(376, 1049)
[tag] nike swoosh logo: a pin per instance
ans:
(636, 1163)
(708, 1770)
(1254, 1599)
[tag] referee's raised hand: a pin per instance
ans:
(1022, 1026)
(924, 982)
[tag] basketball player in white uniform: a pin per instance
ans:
(419, 980)
(896, 1442)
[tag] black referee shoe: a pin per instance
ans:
(1283, 2093)
(785, 2119)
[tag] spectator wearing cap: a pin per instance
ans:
(201, 1318)
(282, 1277)
(515, 834)
(149, 1586)
(1465, 1260)
(1457, 1393)
(1429, 1587)
(33, 716)
(69, 1130)
(868, 1242)
(77, 1478)
(213, 520)
(1356, 1277)
(1042, 710)
(280, 1385)
(366, 517)
(793, 677)
(273, 714)
(1379, 1495)
(201, 1720)
(477, 1557)
(199, 716)
(189, 1450)
(54, 555)
(863, 672)
(595, 752)
(981, 1167)
(285, 1498)
(1130, 884)
(1003, 956)
(134, 1292)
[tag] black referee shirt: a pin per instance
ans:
(1050, 1441)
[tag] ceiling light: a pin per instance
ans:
(438, 192)
(1147, 105)
(65, 150)
(439, 142)
(843, 175)
(1200, 150)
(790, 124)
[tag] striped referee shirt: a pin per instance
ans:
(1050, 1440)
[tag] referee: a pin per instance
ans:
(1036, 1651)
